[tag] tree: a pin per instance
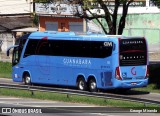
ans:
(156, 2)
(109, 9)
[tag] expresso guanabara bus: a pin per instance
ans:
(90, 61)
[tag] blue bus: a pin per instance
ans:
(90, 61)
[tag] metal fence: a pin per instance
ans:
(69, 91)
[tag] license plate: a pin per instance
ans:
(133, 83)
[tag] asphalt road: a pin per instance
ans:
(34, 107)
(50, 108)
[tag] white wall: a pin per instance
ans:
(137, 10)
(15, 6)
(8, 40)
(147, 8)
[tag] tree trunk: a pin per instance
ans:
(123, 18)
(121, 25)
(114, 18)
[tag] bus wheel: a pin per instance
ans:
(81, 84)
(27, 79)
(92, 85)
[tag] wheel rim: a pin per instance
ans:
(28, 80)
(93, 85)
(81, 85)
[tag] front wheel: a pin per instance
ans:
(92, 85)
(27, 79)
(81, 84)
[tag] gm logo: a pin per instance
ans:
(108, 44)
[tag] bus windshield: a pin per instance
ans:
(18, 49)
(133, 52)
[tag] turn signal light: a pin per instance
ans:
(117, 73)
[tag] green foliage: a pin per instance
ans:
(35, 20)
(150, 88)
(154, 77)
(156, 2)
(115, 26)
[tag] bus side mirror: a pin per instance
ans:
(8, 49)
(7, 52)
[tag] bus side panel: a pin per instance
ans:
(72, 67)
(17, 73)
(36, 67)
(105, 72)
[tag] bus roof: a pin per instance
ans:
(74, 36)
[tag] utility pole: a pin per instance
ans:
(33, 5)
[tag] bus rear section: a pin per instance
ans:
(132, 71)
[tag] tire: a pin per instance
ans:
(27, 79)
(81, 84)
(92, 85)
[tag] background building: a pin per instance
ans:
(58, 17)
(14, 14)
(142, 20)
(15, 7)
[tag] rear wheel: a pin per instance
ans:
(81, 84)
(27, 79)
(92, 85)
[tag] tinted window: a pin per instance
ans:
(57, 48)
(21, 40)
(31, 47)
(133, 52)
(95, 49)
(16, 56)
(42, 47)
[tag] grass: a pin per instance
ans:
(71, 98)
(5, 69)
(150, 88)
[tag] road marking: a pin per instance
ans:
(103, 114)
